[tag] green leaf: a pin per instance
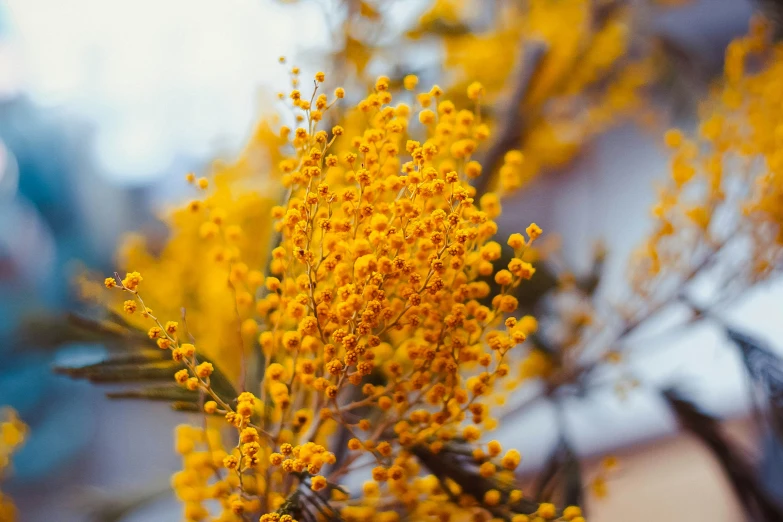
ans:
(187, 407)
(50, 332)
(138, 362)
(110, 372)
(171, 393)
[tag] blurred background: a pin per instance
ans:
(104, 106)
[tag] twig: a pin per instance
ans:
(656, 308)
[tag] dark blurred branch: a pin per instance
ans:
(765, 369)
(513, 128)
(447, 464)
(562, 473)
(756, 502)
(511, 132)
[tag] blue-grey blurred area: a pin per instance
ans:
(55, 209)
(45, 225)
(41, 229)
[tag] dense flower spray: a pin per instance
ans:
(717, 213)
(722, 198)
(379, 333)
(574, 65)
(556, 73)
(365, 325)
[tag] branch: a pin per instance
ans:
(757, 503)
(513, 128)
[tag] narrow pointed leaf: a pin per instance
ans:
(765, 368)
(171, 393)
(116, 373)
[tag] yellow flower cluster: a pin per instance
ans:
(726, 183)
(12, 435)
(583, 46)
(590, 75)
(376, 325)
(190, 271)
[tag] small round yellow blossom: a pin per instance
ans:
(426, 116)
(181, 376)
(503, 277)
(230, 462)
(275, 371)
(673, 138)
(516, 241)
(473, 169)
(188, 349)
(533, 231)
(317, 483)
(382, 83)
(380, 474)
(396, 472)
(487, 469)
(204, 370)
(272, 284)
(129, 306)
(245, 408)
(528, 324)
(471, 433)
(475, 91)
(132, 280)
(511, 459)
(546, 511)
(492, 497)
(371, 489)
